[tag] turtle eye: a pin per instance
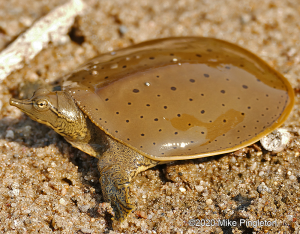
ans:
(41, 104)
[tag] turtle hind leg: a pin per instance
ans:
(117, 166)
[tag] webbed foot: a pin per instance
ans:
(117, 166)
(115, 188)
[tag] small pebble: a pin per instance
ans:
(276, 141)
(10, 134)
(253, 166)
(123, 29)
(209, 201)
(62, 201)
(182, 189)
(262, 188)
(261, 173)
(292, 177)
(141, 214)
(199, 188)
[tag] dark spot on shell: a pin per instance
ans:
(202, 111)
(156, 119)
(192, 80)
(147, 104)
(165, 107)
(124, 66)
(117, 112)
(242, 113)
(202, 132)
(157, 76)
(241, 65)
(116, 131)
(173, 88)
(128, 139)
(192, 141)
(223, 104)
(245, 86)
(206, 75)
(158, 95)
(227, 67)
(178, 115)
(267, 95)
(151, 57)
(129, 103)
(222, 91)
(191, 99)
(135, 90)
(249, 107)
(106, 77)
(154, 143)
(142, 134)
(202, 94)
(224, 120)
(171, 54)
(141, 116)
(127, 121)
(175, 133)
(141, 146)
(159, 130)
(209, 50)
(96, 109)
(199, 55)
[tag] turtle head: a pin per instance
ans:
(55, 109)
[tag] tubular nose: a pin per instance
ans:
(20, 103)
(14, 102)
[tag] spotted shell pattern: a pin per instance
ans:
(179, 98)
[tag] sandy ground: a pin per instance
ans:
(46, 186)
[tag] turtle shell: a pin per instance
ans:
(181, 98)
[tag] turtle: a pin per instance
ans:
(161, 101)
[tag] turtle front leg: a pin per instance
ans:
(115, 189)
(117, 166)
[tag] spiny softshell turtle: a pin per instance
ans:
(160, 101)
